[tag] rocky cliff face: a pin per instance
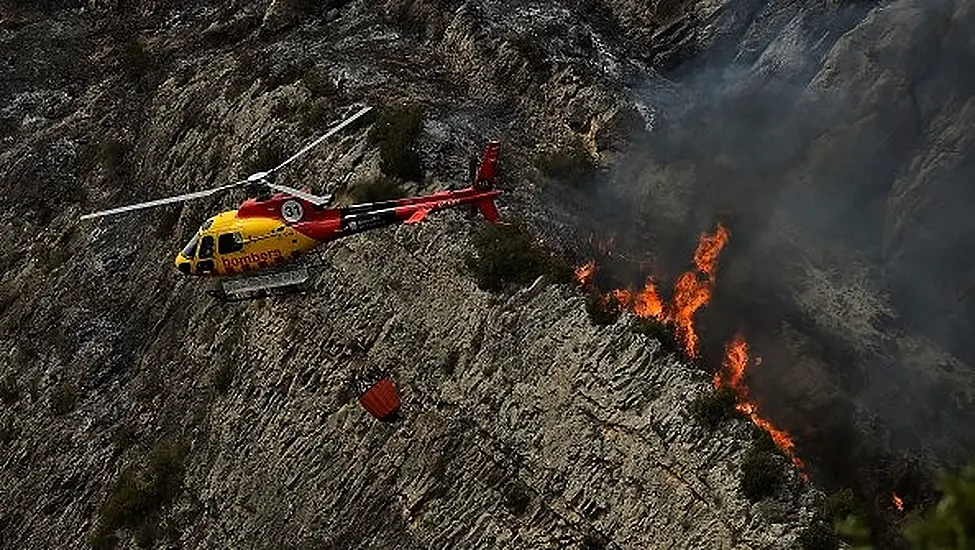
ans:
(524, 426)
(827, 136)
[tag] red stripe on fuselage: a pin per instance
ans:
(325, 228)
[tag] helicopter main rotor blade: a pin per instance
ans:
(314, 199)
(167, 200)
(336, 129)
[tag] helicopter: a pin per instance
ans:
(256, 250)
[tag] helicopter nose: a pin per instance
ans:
(182, 265)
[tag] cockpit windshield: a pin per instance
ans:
(190, 249)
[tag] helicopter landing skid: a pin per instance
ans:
(264, 285)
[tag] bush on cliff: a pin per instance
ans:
(507, 255)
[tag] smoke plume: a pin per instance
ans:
(832, 143)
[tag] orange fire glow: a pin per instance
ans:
(692, 291)
(693, 288)
(584, 273)
(708, 248)
(733, 376)
(897, 502)
(647, 302)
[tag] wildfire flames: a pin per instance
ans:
(735, 363)
(584, 274)
(897, 502)
(692, 291)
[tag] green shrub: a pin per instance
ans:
(421, 18)
(9, 126)
(222, 377)
(136, 63)
(242, 78)
(507, 255)
(317, 85)
(267, 156)
(8, 432)
(594, 541)
(559, 270)
(819, 536)
(451, 362)
(64, 398)
(140, 492)
(124, 436)
(854, 532)
(837, 506)
(571, 164)
(837, 509)
(950, 524)
(602, 310)
(657, 330)
(9, 391)
(314, 115)
(376, 189)
(111, 153)
(762, 441)
(532, 51)
(276, 76)
(395, 133)
(714, 407)
(761, 474)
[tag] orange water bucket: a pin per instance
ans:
(381, 400)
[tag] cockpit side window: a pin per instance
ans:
(228, 243)
(206, 247)
(190, 249)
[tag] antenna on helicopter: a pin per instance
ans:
(259, 182)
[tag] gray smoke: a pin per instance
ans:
(837, 143)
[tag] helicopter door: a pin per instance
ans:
(204, 262)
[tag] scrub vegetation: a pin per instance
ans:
(139, 494)
(507, 255)
(571, 164)
(713, 408)
(395, 133)
(376, 189)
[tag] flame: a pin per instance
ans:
(708, 248)
(690, 294)
(734, 366)
(735, 363)
(623, 297)
(647, 303)
(692, 291)
(584, 273)
(897, 502)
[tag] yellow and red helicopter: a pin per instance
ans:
(253, 249)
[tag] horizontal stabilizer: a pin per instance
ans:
(488, 209)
